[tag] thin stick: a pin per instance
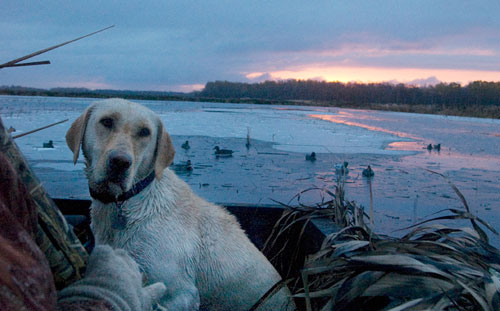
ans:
(17, 60)
(45, 62)
(273, 290)
(248, 137)
(415, 209)
(371, 202)
(39, 129)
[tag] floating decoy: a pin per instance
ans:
(189, 165)
(223, 152)
(368, 172)
(429, 147)
(185, 145)
(311, 157)
(184, 167)
(50, 144)
(437, 147)
(341, 169)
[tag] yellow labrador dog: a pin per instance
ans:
(196, 248)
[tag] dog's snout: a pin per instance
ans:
(118, 161)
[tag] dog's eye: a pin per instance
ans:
(144, 132)
(107, 122)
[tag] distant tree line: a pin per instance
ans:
(476, 99)
(83, 92)
(447, 94)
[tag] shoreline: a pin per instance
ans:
(473, 110)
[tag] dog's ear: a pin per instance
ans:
(74, 136)
(164, 152)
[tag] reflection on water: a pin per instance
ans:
(405, 145)
(361, 115)
(448, 158)
(345, 118)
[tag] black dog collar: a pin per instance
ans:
(136, 189)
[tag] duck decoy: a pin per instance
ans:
(183, 167)
(429, 147)
(223, 152)
(368, 172)
(185, 145)
(189, 165)
(50, 144)
(311, 157)
(437, 147)
(341, 169)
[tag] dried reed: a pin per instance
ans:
(432, 267)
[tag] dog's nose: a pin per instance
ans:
(118, 161)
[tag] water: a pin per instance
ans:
(274, 168)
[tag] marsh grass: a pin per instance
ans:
(431, 267)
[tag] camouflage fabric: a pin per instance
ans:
(66, 255)
(25, 278)
(23, 269)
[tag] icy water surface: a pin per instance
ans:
(273, 169)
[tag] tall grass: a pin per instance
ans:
(432, 267)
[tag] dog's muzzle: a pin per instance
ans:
(117, 166)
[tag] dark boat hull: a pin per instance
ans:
(257, 221)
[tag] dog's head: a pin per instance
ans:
(122, 143)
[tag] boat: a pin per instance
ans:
(258, 222)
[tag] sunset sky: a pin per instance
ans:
(180, 45)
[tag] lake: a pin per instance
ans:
(273, 169)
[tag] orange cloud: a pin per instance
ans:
(367, 50)
(380, 74)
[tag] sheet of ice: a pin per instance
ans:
(289, 130)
